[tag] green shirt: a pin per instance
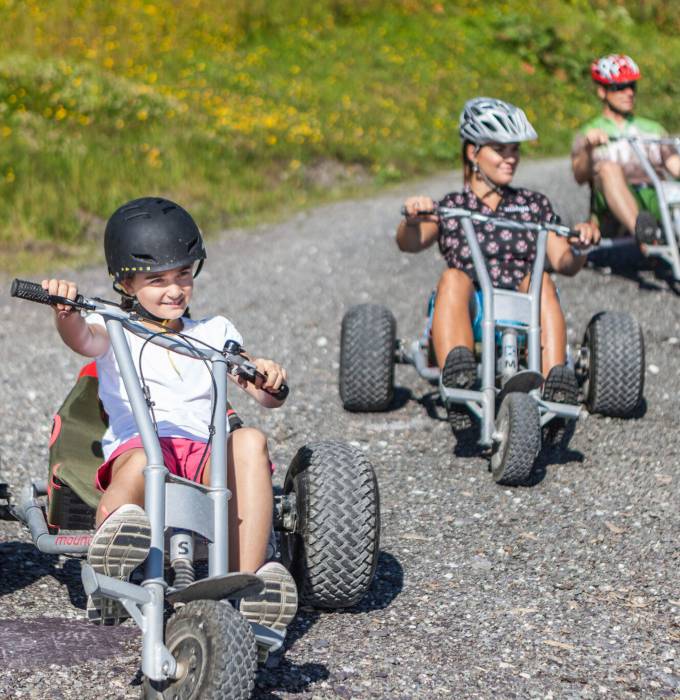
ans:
(621, 151)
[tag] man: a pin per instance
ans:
(622, 195)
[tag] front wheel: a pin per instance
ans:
(613, 364)
(215, 651)
(333, 550)
(519, 426)
(367, 345)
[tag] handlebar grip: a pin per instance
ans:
(32, 291)
(282, 393)
(22, 289)
(423, 212)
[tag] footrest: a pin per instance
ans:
(229, 586)
(266, 637)
(95, 583)
(523, 382)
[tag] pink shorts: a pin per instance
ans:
(181, 456)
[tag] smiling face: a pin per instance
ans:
(164, 294)
(498, 161)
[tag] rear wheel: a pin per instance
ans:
(519, 425)
(215, 651)
(367, 347)
(333, 549)
(613, 364)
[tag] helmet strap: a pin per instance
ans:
(615, 109)
(130, 303)
(483, 176)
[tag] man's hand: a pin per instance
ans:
(596, 137)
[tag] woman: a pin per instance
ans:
(491, 132)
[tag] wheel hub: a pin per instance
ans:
(190, 660)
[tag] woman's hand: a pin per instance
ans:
(589, 235)
(61, 288)
(413, 205)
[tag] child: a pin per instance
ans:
(154, 250)
(491, 131)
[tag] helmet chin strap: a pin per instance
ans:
(132, 304)
(139, 309)
(616, 110)
(486, 179)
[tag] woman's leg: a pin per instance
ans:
(451, 324)
(553, 326)
(126, 486)
(251, 503)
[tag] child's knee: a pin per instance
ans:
(249, 442)
(129, 466)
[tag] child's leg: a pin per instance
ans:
(126, 486)
(553, 326)
(451, 324)
(251, 504)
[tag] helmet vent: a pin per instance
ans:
(165, 210)
(144, 257)
(139, 215)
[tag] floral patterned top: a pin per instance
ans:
(509, 253)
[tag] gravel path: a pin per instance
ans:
(569, 589)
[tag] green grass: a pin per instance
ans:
(248, 111)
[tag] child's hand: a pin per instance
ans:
(275, 375)
(61, 288)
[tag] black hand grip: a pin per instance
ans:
(31, 291)
(282, 392)
(423, 212)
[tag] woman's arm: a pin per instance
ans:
(415, 233)
(560, 249)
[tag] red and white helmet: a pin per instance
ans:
(614, 69)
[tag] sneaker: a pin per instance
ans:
(561, 387)
(646, 228)
(460, 372)
(276, 605)
(118, 547)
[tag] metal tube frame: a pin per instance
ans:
(668, 251)
(483, 402)
(147, 608)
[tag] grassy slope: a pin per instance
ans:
(260, 108)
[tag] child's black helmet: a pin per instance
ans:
(151, 234)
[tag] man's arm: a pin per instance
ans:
(672, 164)
(582, 154)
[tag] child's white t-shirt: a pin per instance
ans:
(180, 386)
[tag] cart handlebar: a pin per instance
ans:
(232, 352)
(458, 213)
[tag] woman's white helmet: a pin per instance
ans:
(484, 120)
